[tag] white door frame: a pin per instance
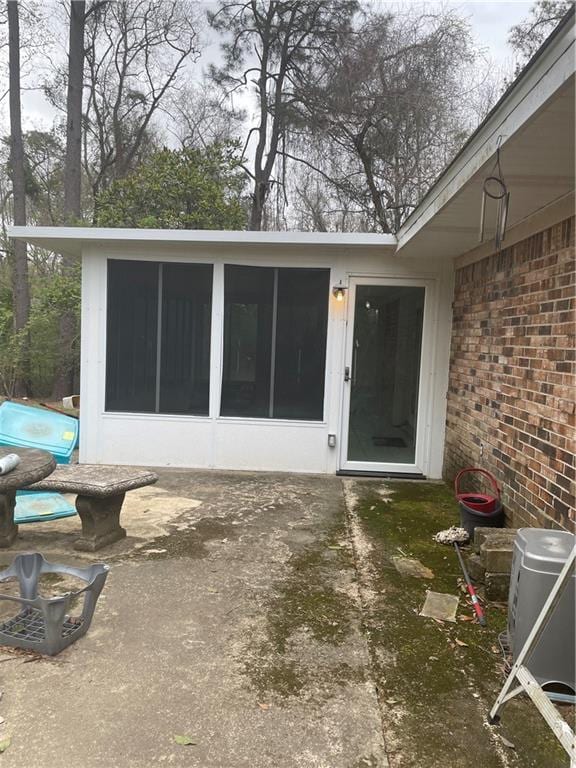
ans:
(420, 465)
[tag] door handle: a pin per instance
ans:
(347, 373)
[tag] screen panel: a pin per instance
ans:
(248, 300)
(300, 359)
(186, 323)
(132, 325)
(275, 331)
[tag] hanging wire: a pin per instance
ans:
(494, 187)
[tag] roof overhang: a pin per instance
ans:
(534, 125)
(73, 240)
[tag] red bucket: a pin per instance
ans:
(479, 502)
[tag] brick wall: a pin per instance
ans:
(512, 376)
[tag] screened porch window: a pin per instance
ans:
(275, 324)
(158, 337)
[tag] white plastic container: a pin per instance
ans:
(8, 463)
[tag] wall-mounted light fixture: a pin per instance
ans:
(338, 291)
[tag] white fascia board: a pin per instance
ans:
(549, 72)
(71, 239)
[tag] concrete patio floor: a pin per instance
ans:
(255, 614)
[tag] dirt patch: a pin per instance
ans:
(189, 541)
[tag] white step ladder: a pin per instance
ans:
(527, 683)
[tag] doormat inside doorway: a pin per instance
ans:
(389, 442)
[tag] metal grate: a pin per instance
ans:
(29, 625)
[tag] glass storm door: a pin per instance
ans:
(383, 377)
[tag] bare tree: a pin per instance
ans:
(45, 161)
(21, 291)
(266, 46)
(136, 54)
(321, 188)
(201, 116)
(390, 97)
(529, 35)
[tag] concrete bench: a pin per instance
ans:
(100, 490)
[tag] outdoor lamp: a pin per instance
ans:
(338, 291)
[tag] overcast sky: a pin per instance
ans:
(490, 21)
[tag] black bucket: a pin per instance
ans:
(471, 519)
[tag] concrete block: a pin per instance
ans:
(482, 533)
(497, 586)
(475, 568)
(496, 554)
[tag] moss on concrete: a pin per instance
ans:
(271, 673)
(306, 600)
(305, 611)
(437, 680)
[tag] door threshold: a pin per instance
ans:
(385, 475)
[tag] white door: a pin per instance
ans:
(387, 373)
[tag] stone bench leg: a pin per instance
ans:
(8, 528)
(100, 521)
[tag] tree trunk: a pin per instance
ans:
(257, 209)
(64, 380)
(73, 164)
(20, 287)
(375, 194)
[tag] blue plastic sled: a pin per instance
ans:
(41, 506)
(38, 428)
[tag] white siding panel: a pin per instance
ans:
(262, 445)
(154, 440)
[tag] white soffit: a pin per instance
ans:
(71, 240)
(535, 121)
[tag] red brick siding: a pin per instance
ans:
(512, 376)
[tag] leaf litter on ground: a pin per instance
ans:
(184, 741)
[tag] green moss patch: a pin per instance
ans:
(304, 615)
(437, 681)
(306, 600)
